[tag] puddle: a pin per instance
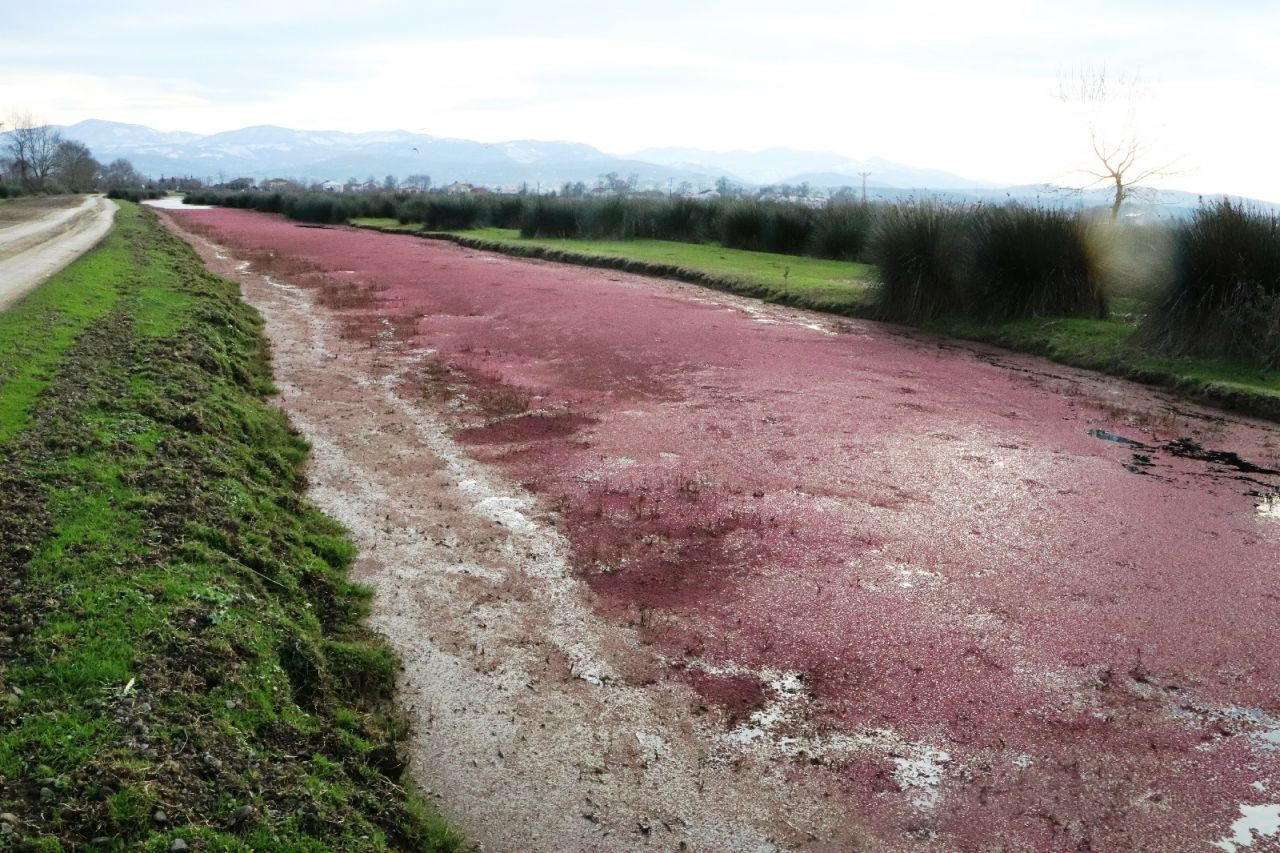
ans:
(1256, 823)
(174, 203)
(1270, 506)
(1118, 439)
(1188, 449)
(783, 726)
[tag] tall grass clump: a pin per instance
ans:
(550, 217)
(682, 220)
(789, 229)
(742, 225)
(606, 219)
(322, 208)
(841, 232)
(506, 211)
(133, 194)
(1032, 262)
(923, 251)
(1223, 297)
(452, 213)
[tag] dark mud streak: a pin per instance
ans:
(1187, 448)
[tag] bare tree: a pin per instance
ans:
(422, 182)
(1122, 156)
(33, 146)
(74, 167)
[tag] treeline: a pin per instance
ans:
(317, 207)
(1217, 296)
(838, 231)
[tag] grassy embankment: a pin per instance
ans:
(181, 655)
(1102, 344)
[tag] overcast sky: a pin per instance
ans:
(970, 87)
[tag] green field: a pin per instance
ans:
(832, 285)
(845, 288)
(181, 655)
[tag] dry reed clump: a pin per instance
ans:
(502, 400)
(1223, 297)
(277, 264)
(379, 329)
(344, 295)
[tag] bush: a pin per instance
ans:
(1223, 297)
(506, 211)
(323, 208)
(605, 219)
(924, 254)
(681, 219)
(550, 217)
(840, 232)
(1032, 262)
(133, 194)
(452, 213)
(788, 229)
(742, 225)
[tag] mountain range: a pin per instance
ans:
(266, 151)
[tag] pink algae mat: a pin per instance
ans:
(1055, 593)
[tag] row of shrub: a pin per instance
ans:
(988, 263)
(837, 232)
(435, 212)
(316, 207)
(134, 194)
(1218, 295)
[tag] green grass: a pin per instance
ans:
(1107, 346)
(832, 285)
(177, 632)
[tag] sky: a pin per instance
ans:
(973, 88)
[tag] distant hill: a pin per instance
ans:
(267, 151)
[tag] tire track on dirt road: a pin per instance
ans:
(33, 249)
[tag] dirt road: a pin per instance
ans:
(40, 236)
(671, 567)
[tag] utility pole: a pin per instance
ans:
(864, 186)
